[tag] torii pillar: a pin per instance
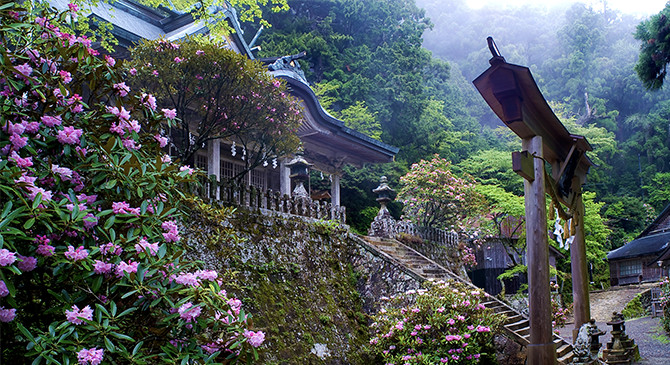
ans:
(513, 95)
(541, 349)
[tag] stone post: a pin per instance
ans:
(383, 225)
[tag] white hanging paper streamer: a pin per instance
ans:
(265, 163)
(321, 174)
(274, 163)
(233, 150)
(244, 153)
(558, 230)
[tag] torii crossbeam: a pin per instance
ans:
(513, 95)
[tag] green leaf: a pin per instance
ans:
(121, 336)
(30, 222)
(137, 347)
(109, 345)
(109, 222)
(127, 311)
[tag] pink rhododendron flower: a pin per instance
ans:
(255, 339)
(3, 289)
(45, 249)
(149, 101)
(120, 207)
(69, 135)
(110, 60)
(51, 121)
(186, 168)
(17, 141)
(75, 255)
(130, 144)
(101, 267)
(207, 274)
(483, 329)
(21, 161)
(12, 128)
(122, 113)
(178, 60)
(24, 69)
(121, 88)
(188, 312)
(172, 234)
(187, 278)
(133, 71)
(90, 221)
(63, 172)
(122, 268)
(110, 248)
(235, 305)
(74, 315)
(7, 315)
(91, 356)
(162, 141)
(199, 52)
(26, 263)
(7, 257)
(65, 76)
(155, 73)
(144, 245)
(169, 113)
(73, 7)
(31, 127)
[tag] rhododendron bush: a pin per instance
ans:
(218, 93)
(446, 322)
(433, 196)
(91, 258)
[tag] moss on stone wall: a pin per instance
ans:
(309, 284)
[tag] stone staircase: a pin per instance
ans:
(516, 326)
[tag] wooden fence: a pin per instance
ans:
(243, 195)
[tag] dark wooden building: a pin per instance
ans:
(645, 258)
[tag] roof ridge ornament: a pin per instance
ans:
(495, 52)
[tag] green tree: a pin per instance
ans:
(218, 94)
(654, 33)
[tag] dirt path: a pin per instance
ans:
(604, 302)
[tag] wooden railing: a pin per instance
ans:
(231, 193)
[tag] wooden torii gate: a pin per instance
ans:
(514, 97)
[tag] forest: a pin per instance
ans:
(401, 71)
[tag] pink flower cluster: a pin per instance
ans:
(189, 312)
(76, 254)
(124, 208)
(172, 233)
(75, 315)
(92, 356)
(7, 314)
(7, 257)
(144, 246)
(255, 339)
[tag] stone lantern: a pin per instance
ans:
(383, 225)
(383, 192)
(299, 168)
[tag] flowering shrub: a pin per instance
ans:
(218, 93)
(91, 259)
(434, 197)
(664, 299)
(444, 323)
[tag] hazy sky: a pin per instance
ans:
(639, 7)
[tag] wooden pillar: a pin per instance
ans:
(541, 350)
(284, 178)
(214, 161)
(580, 279)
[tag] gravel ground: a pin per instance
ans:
(648, 334)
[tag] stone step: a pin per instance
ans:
(516, 324)
(563, 350)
